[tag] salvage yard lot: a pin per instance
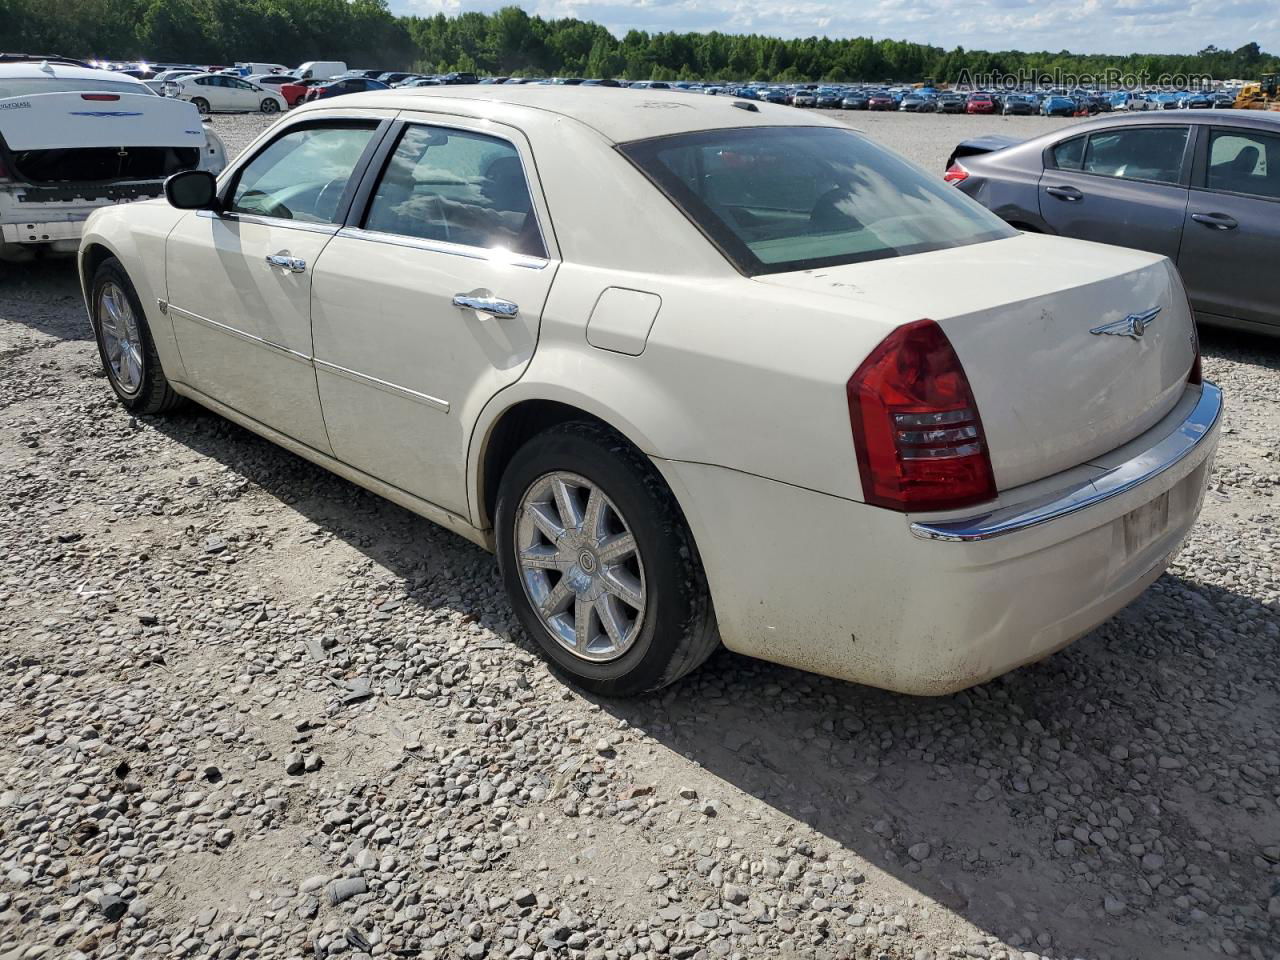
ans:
(189, 613)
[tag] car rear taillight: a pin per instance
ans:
(100, 96)
(916, 429)
(955, 173)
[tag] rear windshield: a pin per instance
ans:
(26, 86)
(775, 199)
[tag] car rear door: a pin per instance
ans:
(239, 282)
(428, 301)
(1231, 240)
(1124, 185)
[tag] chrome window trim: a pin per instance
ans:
(394, 389)
(239, 334)
(440, 246)
(329, 229)
(1130, 475)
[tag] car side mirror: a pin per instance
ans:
(192, 190)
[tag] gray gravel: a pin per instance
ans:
(250, 710)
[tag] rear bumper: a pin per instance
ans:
(847, 590)
(55, 213)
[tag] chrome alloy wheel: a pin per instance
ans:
(120, 337)
(580, 566)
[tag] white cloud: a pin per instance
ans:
(1092, 26)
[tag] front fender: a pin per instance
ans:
(135, 234)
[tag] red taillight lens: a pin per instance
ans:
(955, 173)
(99, 96)
(916, 428)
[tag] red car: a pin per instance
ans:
(981, 103)
(295, 93)
(881, 101)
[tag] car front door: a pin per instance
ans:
(239, 282)
(1125, 185)
(1231, 241)
(428, 302)
(249, 95)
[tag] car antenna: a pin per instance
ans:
(745, 105)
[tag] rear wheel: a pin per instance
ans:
(201, 104)
(598, 563)
(270, 106)
(124, 342)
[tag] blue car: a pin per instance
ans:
(1059, 107)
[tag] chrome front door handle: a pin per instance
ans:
(292, 264)
(493, 306)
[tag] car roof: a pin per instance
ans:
(618, 114)
(1264, 119)
(49, 70)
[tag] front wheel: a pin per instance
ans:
(201, 105)
(270, 106)
(598, 563)
(124, 342)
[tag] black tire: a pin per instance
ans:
(201, 105)
(154, 394)
(270, 106)
(678, 631)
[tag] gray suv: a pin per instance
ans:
(1201, 187)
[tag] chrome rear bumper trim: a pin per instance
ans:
(1170, 451)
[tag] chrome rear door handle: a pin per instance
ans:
(1218, 221)
(1070, 194)
(493, 306)
(292, 264)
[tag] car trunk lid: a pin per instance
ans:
(1021, 314)
(96, 137)
(45, 121)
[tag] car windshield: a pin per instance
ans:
(776, 199)
(26, 86)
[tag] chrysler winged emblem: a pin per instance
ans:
(1134, 325)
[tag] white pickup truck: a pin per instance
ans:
(73, 139)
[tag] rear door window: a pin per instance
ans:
(454, 186)
(1069, 154)
(1244, 161)
(1137, 153)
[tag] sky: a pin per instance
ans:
(1081, 26)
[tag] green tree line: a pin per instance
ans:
(364, 33)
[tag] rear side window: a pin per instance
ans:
(1137, 153)
(1069, 154)
(303, 174)
(1244, 161)
(456, 187)
(776, 199)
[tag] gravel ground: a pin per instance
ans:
(252, 711)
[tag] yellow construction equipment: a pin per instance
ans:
(1264, 95)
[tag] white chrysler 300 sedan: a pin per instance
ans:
(697, 370)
